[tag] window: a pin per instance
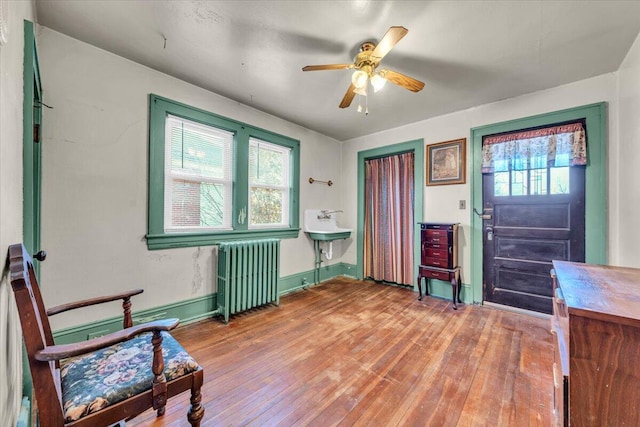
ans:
(534, 162)
(268, 184)
(213, 179)
(197, 176)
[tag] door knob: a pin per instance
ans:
(40, 255)
(489, 231)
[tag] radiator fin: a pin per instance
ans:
(248, 273)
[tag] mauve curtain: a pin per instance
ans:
(388, 224)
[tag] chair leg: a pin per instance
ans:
(159, 386)
(196, 412)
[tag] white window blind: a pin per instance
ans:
(198, 176)
(269, 184)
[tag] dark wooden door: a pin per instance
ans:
(536, 216)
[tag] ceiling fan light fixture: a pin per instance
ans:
(359, 79)
(378, 82)
(361, 90)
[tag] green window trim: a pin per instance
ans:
(156, 236)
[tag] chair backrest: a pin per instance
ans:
(36, 332)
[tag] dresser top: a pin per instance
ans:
(600, 291)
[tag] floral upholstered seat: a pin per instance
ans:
(94, 381)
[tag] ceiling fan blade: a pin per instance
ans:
(401, 80)
(327, 67)
(389, 40)
(348, 97)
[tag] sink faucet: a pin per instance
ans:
(326, 214)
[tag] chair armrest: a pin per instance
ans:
(92, 301)
(62, 351)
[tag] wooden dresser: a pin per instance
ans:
(439, 256)
(596, 326)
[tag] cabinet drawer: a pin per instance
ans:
(436, 262)
(435, 240)
(437, 251)
(432, 274)
(435, 233)
(432, 226)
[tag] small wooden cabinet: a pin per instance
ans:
(596, 327)
(439, 257)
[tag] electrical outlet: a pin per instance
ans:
(463, 204)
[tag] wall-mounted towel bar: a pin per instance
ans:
(329, 183)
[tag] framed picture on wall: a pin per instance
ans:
(446, 162)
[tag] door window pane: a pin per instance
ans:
(519, 183)
(501, 183)
(559, 180)
(538, 181)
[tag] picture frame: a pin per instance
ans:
(446, 162)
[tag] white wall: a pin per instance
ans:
(441, 202)
(11, 126)
(94, 202)
(95, 173)
(625, 248)
(11, 68)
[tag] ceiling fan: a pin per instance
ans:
(365, 64)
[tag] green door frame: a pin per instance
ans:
(417, 146)
(31, 163)
(32, 152)
(595, 186)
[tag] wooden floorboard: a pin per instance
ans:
(350, 352)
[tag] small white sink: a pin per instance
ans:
(321, 224)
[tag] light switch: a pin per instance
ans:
(463, 204)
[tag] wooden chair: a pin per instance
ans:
(104, 380)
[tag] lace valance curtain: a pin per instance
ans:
(555, 146)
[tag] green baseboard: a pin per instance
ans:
(190, 310)
(302, 280)
(24, 418)
(442, 289)
(187, 311)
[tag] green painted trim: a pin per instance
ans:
(296, 281)
(442, 289)
(596, 228)
(166, 241)
(31, 153)
(417, 146)
(187, 311)
(159, 107)
(24, 418)
(31, 164)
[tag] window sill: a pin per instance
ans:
(183, 240)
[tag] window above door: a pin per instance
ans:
(534, 162)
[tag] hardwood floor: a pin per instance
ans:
(349, 352)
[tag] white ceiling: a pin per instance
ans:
(468, 53)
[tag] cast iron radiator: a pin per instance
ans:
(247, 275)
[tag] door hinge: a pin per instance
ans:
(36, 133)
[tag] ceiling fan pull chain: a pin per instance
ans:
(366, 103)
